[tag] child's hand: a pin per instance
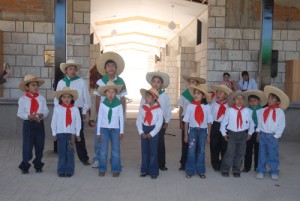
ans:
(40, 115)
(248, 137)
(34, 117)
(149, 136)
(181, 125)
(226, 138)
(99, 138)
(208, 140)
(121, 136)
(54, 138)
(165, 126)
(144, 135)
(84, 116)
(186, 138)
(78, 138)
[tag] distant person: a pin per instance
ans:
(246, 83)
(231, 84)
(5, 73)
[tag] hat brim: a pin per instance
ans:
(59, 93)
(144, 91)
(258, 93)
(103, 89)
(204, 91)
(200, 80)
(221, 87)
(63, 66)
(284, 99)
(23, 83)
(110, 56)
(163, 76)
(235, 94)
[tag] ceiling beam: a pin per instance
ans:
(140, 18)
(126, 43)
(136, 33)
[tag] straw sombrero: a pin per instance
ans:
(152, 91)
(194, 76)
(110, 56)
(221, 87)
(284, 99)
(28, 79)
(203, 88)
(235, 94)
(70, 62)
(258, 93)
(66, 90)
(109, 85)
(164, 76)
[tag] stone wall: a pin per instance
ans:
(94, 54)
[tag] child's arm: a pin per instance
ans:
(21, 110)
(54, 124)
(139, 123)
(208, 133)
(45, 109)
(280, 125)
(99, 120)
(186, 137)
(160, 119)
(251, 126)
(169, 111)
(121, 118)
(224, 123)
(77, 124)
(180, 117)
(58, 87)
(86, 100)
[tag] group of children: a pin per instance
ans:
(231, 122)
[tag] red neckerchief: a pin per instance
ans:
(68, 113)
(239, 119)
(34, 106)
(199, 115)
(222, 109)
(267, 112)
(212, 95)
(149, 116)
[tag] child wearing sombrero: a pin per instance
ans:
(198, 120)
(32, 109)
(73, 81)
(160, 81)
(236, 128)
(149, 121)
(184, 100)
(110, 127)
(219, 106)
(110, 65)
(66, 122)
(256, 99)
(271, 125)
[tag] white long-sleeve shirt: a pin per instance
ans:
(157, 120)
(25, 103)
(183, 102)
(215, 109)
(117, 118)
(270, 126)
(58, 123)
(230, 121)
(189, 116)
(84, 99)
(247, 85)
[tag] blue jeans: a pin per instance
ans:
(65, 150)
(268, 154)
(111, 134)
(149, 153)
(196, 151)
(97, 146)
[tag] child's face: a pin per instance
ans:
(149, 98)
(71, 71)
(239, 101)
(110, 94)
(110, 69)
(156, 83)
(226, 78)
(253, 102)
(33, 87)
(221, 95)
(198, 95)
(193, 82)
(272, 101)
(66, 98)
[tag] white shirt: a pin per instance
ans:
(183, 102)
(270, 126)
(258, 113)
(247, 85)
(215, 109)
(84, 99)
(117, 118)
(58, 123)
(157, 120)
(189, 116)
(25, 103)
(230, 120)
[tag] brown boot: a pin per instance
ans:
(116, 174)
(101, 174)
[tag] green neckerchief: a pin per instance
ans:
(69, 80)
(161, 91)
(186, 94)
(118, 81)
(115, 102)
(254, 114)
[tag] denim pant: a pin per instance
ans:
(268, 154)
(196, 152)
(65, 150)
(33, 136)
(235, 152)
(96, 146)
(149, 153)
(112, 135)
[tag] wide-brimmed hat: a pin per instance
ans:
(221, 87)
(260, 94)
(232, 96)
(109, 85)
(66, 90)
(203, 88)
(152, 91)
(69, 63)
(164, 76)
(194, 76)
(110, 56)
(28, 79)
(284, 99)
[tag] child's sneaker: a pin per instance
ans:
(274, 177)
(95, 164)
(259, 176)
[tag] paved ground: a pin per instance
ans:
(85, 185)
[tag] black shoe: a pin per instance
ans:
(236, 175)
(217, 169)
(25, 172)
(153, 177)
(86, 163)
(143, 174)
(181, 168)
(245, 170)
(225, 174)
(68, 175)
(163, 168)
(39, 170)
(61, 175)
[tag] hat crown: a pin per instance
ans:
(29, 77)
(70, 61)
(154, 92)
(110, 83)
(194, 74)
(66, 89)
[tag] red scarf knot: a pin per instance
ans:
(222, 109)
(149, 116)
(68, 113)
(267, 112)
(34, 106)
(199, 114)
(239, 119)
